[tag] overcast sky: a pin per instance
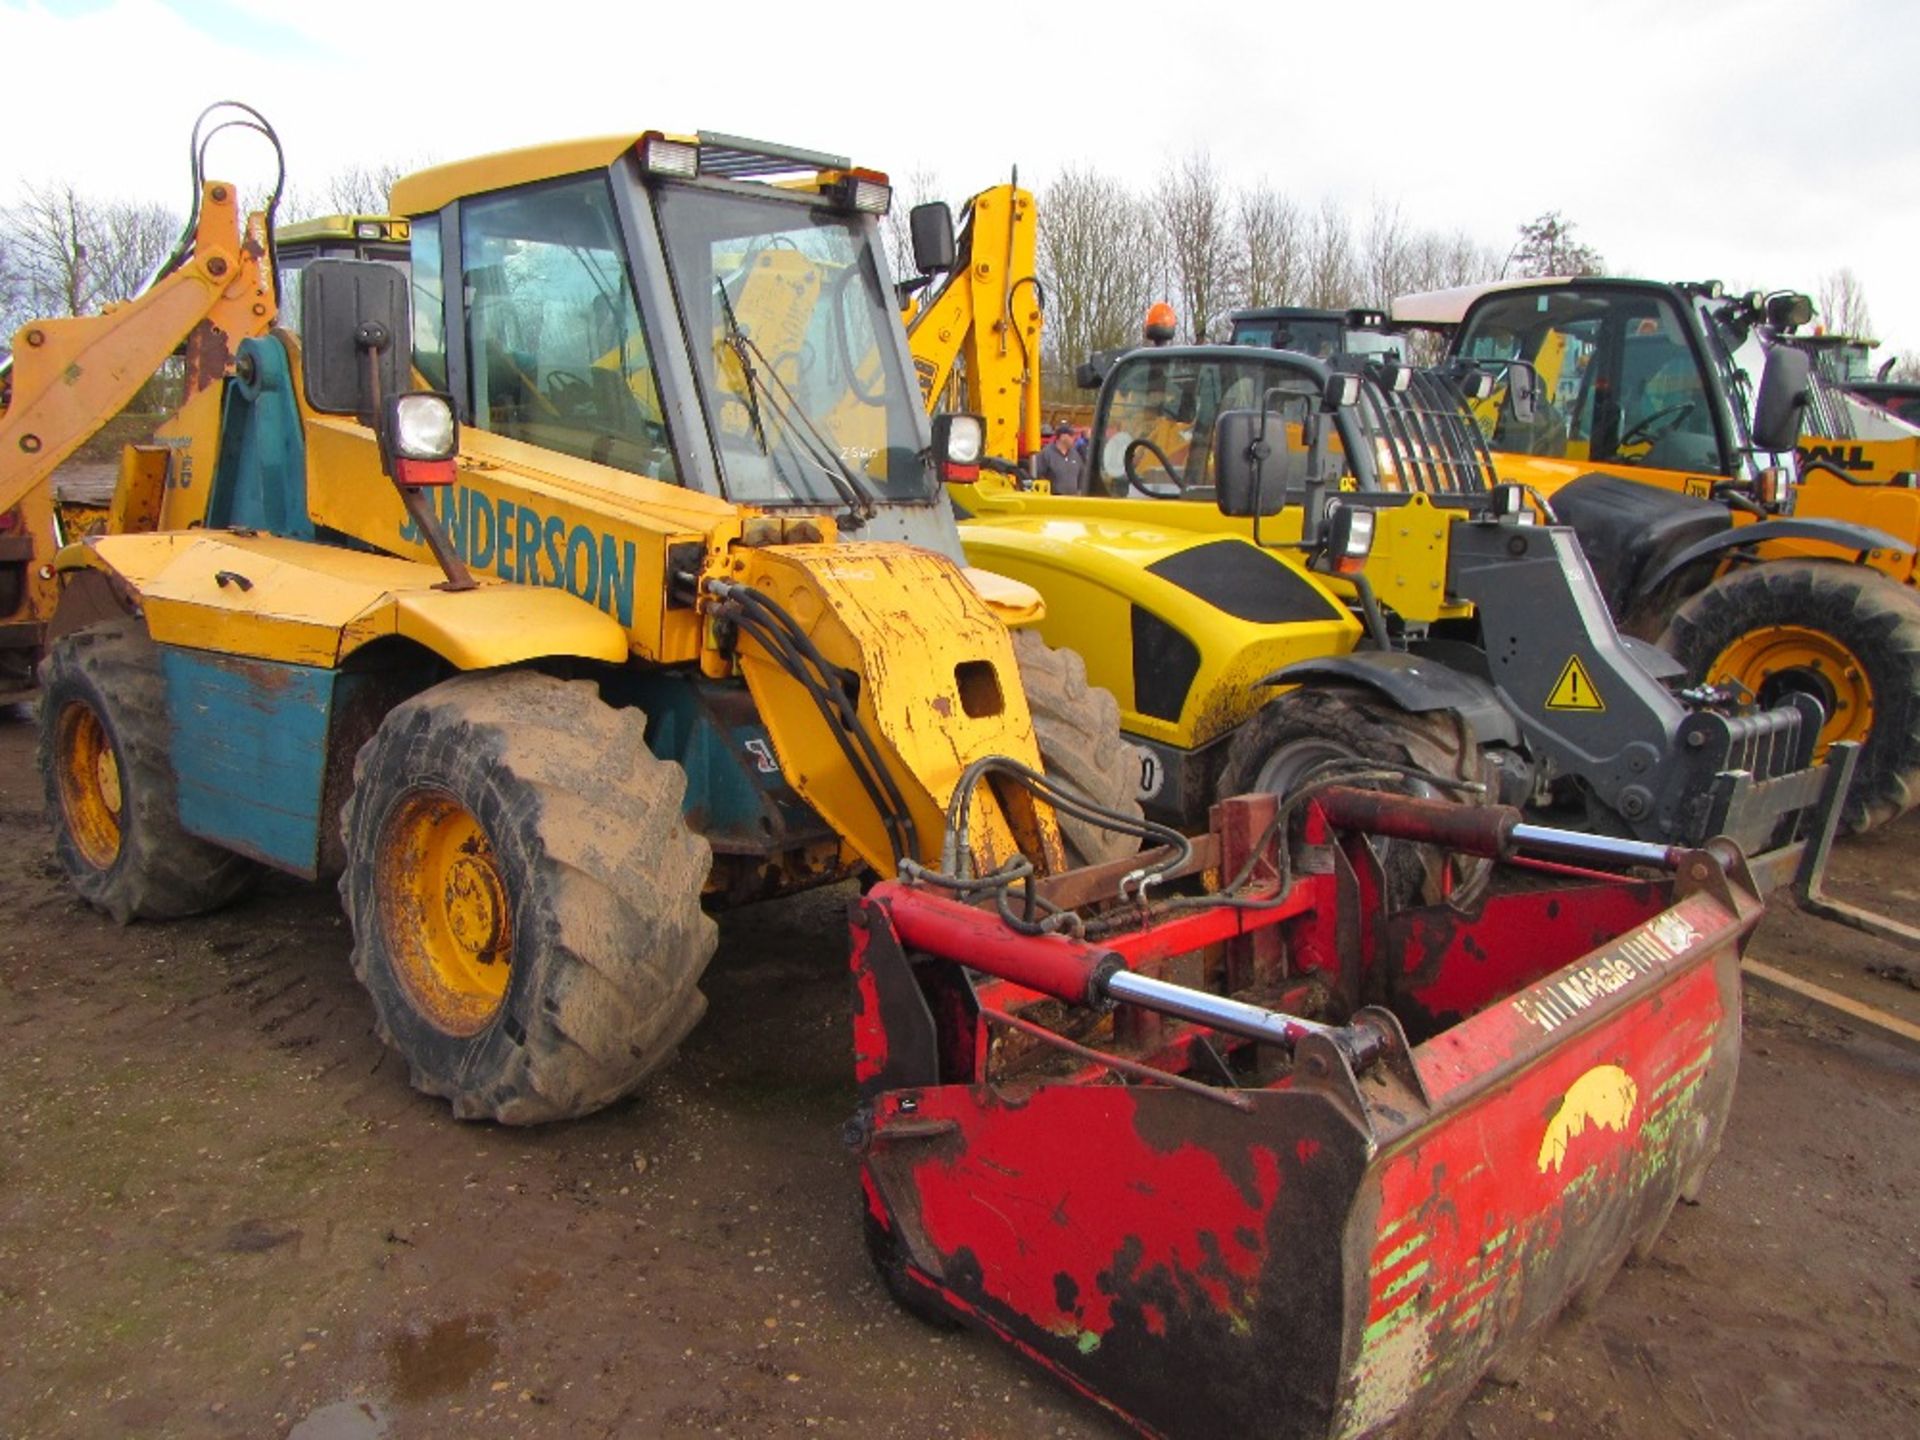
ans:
(1764, 143)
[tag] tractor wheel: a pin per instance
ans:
(1842, 633)
(110, 787)
(1077, 726)
(524, 895)
(1298, 737)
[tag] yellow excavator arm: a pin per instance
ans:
(976, 338)
(71, 375)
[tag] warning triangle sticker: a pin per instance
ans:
(1574, 689)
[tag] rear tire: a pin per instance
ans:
(104, 737)
(1847, 635)
(1077, 727)
(525, 896)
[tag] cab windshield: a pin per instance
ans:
(802, 380)
(1322, 337)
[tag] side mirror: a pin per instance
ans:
(348, 309)
(1091, 373)
(1785, 389)
(1253, 466)
(931, 226)
(1787, 310)
(1523, 383)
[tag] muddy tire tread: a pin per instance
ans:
(609, 950)
(162, 871)
(1878, 620)
(1077, 726)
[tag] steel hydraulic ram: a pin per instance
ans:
(1266, 1154)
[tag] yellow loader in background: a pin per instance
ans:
(1636, 410)
(659, 606)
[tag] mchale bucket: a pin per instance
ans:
(1271, 1157)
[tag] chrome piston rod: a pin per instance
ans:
(1361, 1044)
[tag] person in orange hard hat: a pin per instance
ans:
(1161, 323)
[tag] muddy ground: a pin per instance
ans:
(223, 1213)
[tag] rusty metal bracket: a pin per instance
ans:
(1809, 882)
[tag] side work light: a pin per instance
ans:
(423, 437)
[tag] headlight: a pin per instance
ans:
(1349, 537)
(1776, 489)
(958, 443)
(424, 427)
(422, 438)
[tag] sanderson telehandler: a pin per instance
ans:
(1759, 570)
(658, 572)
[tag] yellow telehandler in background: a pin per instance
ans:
(1375, 600)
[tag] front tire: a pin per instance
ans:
(109, 782)
(1304, 735)
(1847, 635)
(1077, 728)
(525, 896)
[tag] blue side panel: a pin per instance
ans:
(736, 796)
(260, 482)
(250, 753)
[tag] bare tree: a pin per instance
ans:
(71, 254)
(1196, 222)
(1906, 369)
(1547, 247)
(355, 190)
(1272, 245)
(1843, 304)
(13, 310)
(1330, 274)
(1097, 263)
(922, 188)
(1392, 261)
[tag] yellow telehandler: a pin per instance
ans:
(1641, 412)
(658, 605)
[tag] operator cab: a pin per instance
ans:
(702, 311)
(1622, 379)
(1170, 421)
(1323, 334)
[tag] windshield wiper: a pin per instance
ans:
(786, 408)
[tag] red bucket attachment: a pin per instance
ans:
(1449, 1125)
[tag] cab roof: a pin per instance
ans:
(726, 156)
(1449, 307)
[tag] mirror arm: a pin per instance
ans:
(1316, 486)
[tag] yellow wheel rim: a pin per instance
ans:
(1773, 662)
(90, 794)
(443, 911)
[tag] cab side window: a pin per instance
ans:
(429, 313)
(1660, 417)
(556, 352)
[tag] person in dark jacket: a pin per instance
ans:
(1061, 464)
